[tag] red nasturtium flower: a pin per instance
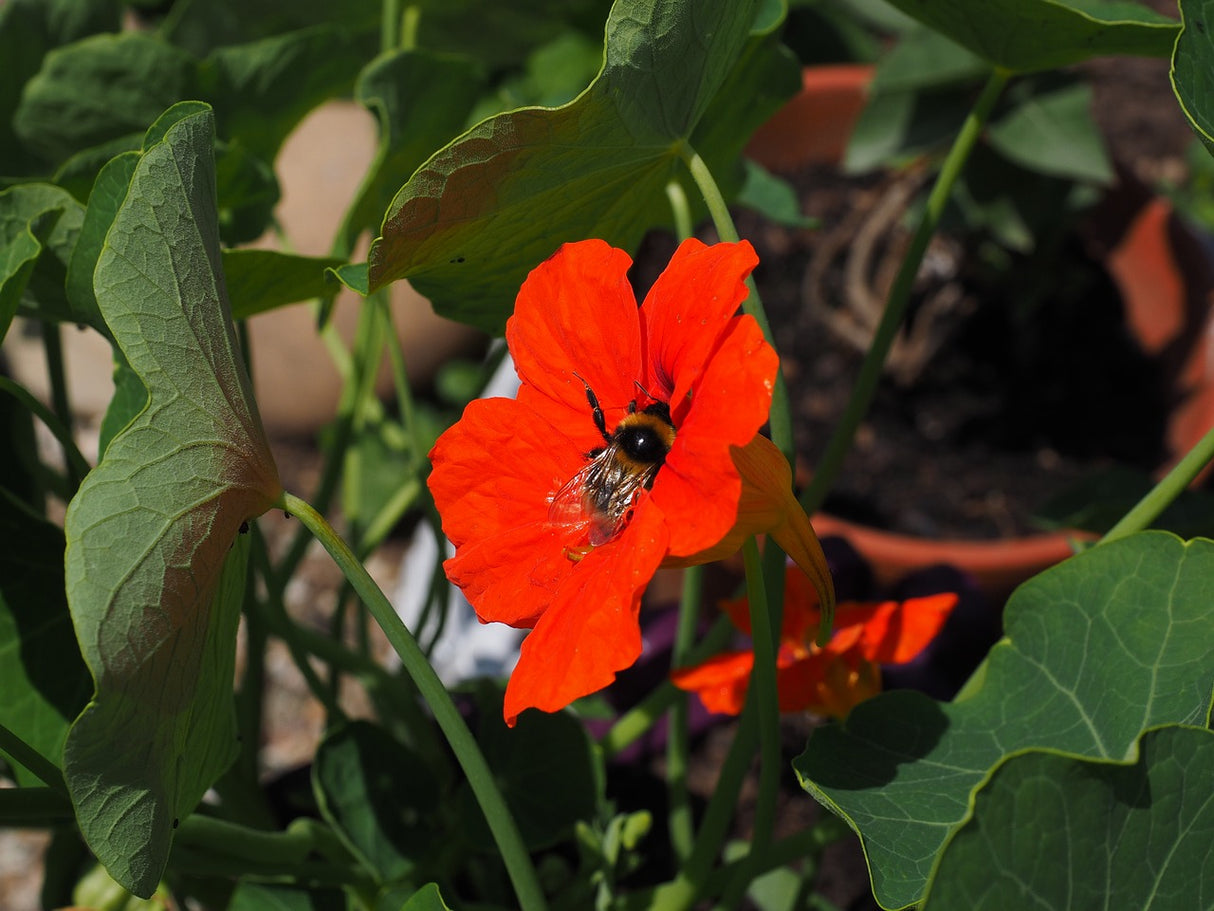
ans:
(828, 680)
(632, 443)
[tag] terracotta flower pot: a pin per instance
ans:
(1166, 281)
(816, 124)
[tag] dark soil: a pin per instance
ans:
(1001, 393)
(997, 396)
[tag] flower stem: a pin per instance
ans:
(780, 419)
(78, 465)
(34, 807)
(766, 703)
(1168, 489)
(693, 878)
(25, 755)
(639, 719)
(899, 295)
(682, 834)
(471, 759)
(681, 210)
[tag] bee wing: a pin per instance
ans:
(600, 496)
(570, 505)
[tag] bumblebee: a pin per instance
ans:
(601, 495)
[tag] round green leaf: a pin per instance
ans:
(99, 89)
(1193, 68)
(1064, 833)
(549, 771)
(39, 225)
(1112, 642)
(379, 797)
(42, 677)
(153, 593)
(481, 212)
(1029, 35)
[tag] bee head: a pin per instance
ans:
(646, 436)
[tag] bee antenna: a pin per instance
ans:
(645, 392)
(596, 410)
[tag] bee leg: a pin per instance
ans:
(599, 420)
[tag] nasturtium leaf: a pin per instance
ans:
(126, 403)
(900, 124)
(427, 898)
(248, 192)
(260, 280)
(79, 172)
(201, 29)
(1061, 832)
(380, 798)
(1030, 35)
(1193, 68)
(39, 225)
(481, 212)
(354, 277)
(28, 29)
(404, 898)
(420, 100)
(262, 89)
(1049, 128)
(503, 34)
(549, 772)
(99, 89)
(109, 190)
(42, 676)
(773, 197)
(254, 896)
(153, 590)
(1096, 502)
(1099, 649)
(923, 58)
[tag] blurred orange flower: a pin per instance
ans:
(828, 680)
(621, 451)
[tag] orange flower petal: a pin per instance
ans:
(495, 468)
(511, 577)
(767, 505)
(720, 682)
(589, 630)
(686, 310)
(576, 314)
(896, 632)
(699, 486)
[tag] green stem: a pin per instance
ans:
(763, 697)
(780, 419)
(339, 441)
(681, 210)
(30, 807)
(77, 464)
(476, 769)
(390, 25)
(205, 845)
(1168, 489)
(25, 755)
(806, 846)
(692, 880)
(410, 23)
(274, 613)
(639, 719)
(682, 833)
(899, 296)
(368, 350)
(52, 341)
